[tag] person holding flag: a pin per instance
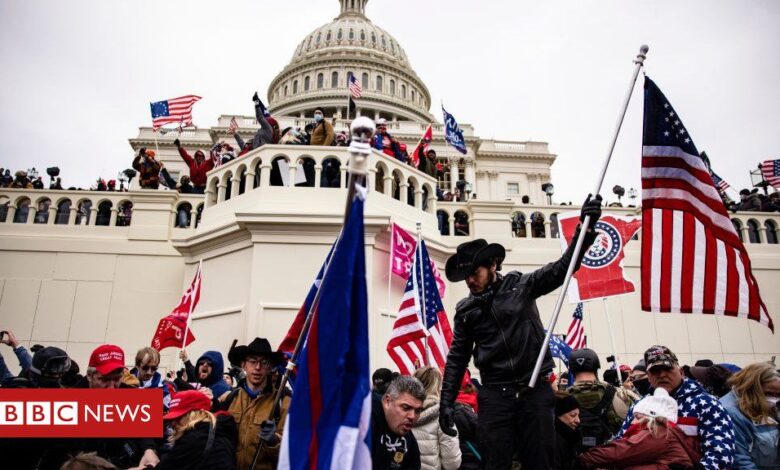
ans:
(499, 324)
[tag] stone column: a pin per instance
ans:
(371, 179)
(265, 174)
(72, 214)
(453, 173)
(418, 198)
(528, 226)
(221, 190)
(112, 218)
(403, 190)
(432, 203)
(452, 225)
(193, 217)
(92, 216)
(745, 233)
(470, 172)
(388, 189)
(11, 213)
(207, 196)
(250, 180)
(547, 233)
(344, 181)
(761, 234)
(235, 186)
(52, 214)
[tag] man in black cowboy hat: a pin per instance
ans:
(499, 324)
(251, 403)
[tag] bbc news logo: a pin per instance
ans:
(81, 413)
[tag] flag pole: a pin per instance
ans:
(421, 279)
(390, 270)
(360, 149)
(638, 63)
(609, 328)
(189, 315)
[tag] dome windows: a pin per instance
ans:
(320, 81)
(362, 35)
(379, 83)
(392, 87)
(364, 81)
(403, 91)
(334, 80)
(295, 87)
(384, 43)
(306, 84)
(373, 38)
(319, 36)
(351, 34)
(328, 37)
(340, 35)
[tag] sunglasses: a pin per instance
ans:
(151, 368)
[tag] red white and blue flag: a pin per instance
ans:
(601, 273)
(173, 111)
(421, 333)
(720, 183)
(771, 171)
(330, 411)
(354, 87)
(575, 337)
(692, 258)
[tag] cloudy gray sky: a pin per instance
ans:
(78, 75)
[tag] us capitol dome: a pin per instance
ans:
(318, 72)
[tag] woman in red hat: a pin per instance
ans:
(201, 439)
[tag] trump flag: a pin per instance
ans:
(402, 255)
(601, 273)
(171, 329)
(328, 422)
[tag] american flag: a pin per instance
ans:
(771, 171)
(692, 258)
(354, 87)
(173, 111)
(720, 183)
(575, 337)
(233, 126)
(407, 345)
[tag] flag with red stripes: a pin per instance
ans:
(233, 126)
(425, 140)
(575, 337)
(692, 258)
(771, 171)
(173, 111)
(421, 333)
(354, 87)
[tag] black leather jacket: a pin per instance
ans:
(503, 330)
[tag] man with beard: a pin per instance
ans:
(499, 324)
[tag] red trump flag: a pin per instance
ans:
(171, 329)
(601, 274)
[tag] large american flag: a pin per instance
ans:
(354, 86)
(771, 171)
(692, 258)
(407, 345)
(575, 337)
(173, 111)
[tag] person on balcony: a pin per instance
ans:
(267, 134)
(385, 142)
(323, 133)
(148, 169)
(198, 166)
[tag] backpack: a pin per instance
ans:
(594, 425)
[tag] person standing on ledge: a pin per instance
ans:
(499, 324)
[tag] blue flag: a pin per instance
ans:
(452, 132)
(328, 421)
(559, 349)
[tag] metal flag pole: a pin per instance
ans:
(639, 62)
(420, 273)
(609, 328)
(198, 275)
(360, 149)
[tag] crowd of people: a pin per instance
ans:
(754, 201)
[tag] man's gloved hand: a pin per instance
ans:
(446, 421)
(591, 207)
(268, 432)
(177, 143)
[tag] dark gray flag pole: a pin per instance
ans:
(639, 62)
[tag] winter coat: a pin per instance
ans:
(466, 423)
(589, 394)
(189, 451)
(567, 441)
(323, 133)
(756, 444)
(641, 451)
(148, 172)
(216, 380)
(197, 172)
(704, 421)
(502, 328)
(392, 149)
(390, 451)
(437, 450)
(249, 413)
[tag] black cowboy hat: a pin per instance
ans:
(471, 255)
(258, 347)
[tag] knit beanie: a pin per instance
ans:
(565, 404)
(659, 404)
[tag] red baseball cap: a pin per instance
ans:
(107, 358)
(186, 401)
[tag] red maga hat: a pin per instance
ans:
(107, 358)
(186, 401)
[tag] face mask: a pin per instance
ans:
(772, 401)
(317, 117)
(642, 386)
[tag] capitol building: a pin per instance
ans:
(83, 268)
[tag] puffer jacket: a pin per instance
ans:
(639, 450)
(756, 444)
(437, 450)
(502, 328)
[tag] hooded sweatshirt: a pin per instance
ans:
(197, 172)
(215, 381)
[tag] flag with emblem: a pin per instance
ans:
(559, 349)
(173, 111)
(172, 328)
(421, 333)
(771, 171)
(693, 260)
(453, 133)
(601, 273)
(719, 182)
(575, 337)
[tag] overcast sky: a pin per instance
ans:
(77, 76)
